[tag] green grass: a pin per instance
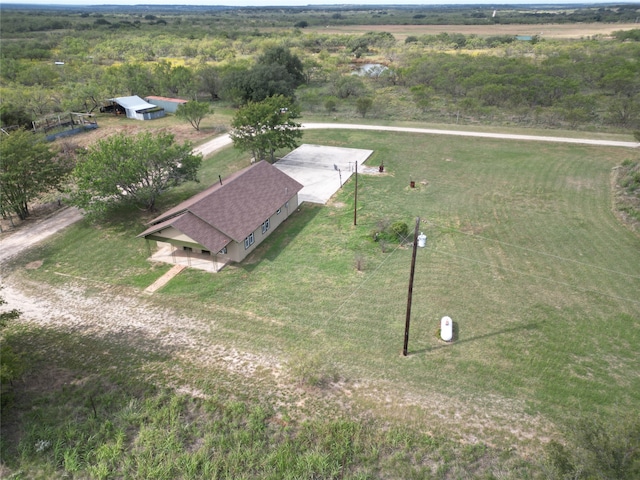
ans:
(523, 253)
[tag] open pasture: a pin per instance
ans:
(523, 253)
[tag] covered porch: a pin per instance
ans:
(168, 253)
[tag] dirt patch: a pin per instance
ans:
(110, 126)
(33, 265)
(37, 211)
(575, 30)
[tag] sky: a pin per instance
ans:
(291, 3)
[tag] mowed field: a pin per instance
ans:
(553, 30)
(523, 253)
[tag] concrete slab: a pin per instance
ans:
(321, 169)
(177, 256)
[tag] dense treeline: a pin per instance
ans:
(586, 83)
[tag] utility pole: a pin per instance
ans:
(413, 269)
(355, 201)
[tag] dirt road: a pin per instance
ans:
(30, 234)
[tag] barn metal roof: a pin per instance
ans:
(133, 102)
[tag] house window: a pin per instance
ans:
(223, 251)
(265, 226)
(248, 241)
(206, 252)
(187, 249)
(278, 211)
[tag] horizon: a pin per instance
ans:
(316, 3)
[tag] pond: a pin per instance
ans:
(373, 70)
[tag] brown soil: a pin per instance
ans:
(37, 211)
(576, 30)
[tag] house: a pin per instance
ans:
(134, 107)
(228, 220)
(169, 104)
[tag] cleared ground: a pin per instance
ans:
(560, 31)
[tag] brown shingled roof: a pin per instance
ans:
(234, 209)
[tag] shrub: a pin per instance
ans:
(400, 230)
(597, 450)
(330, 104)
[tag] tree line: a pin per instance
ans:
(583, 83)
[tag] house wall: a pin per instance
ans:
(236, 251)
(153, 115)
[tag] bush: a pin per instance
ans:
(330, 104)
(597, 450)
(386, 231)
(400, 230)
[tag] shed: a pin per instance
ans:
(136, 108)
(169, 104)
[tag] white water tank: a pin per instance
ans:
(422, 240)
(446, 329)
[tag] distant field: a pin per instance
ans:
(576, 30)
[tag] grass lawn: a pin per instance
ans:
(523, 253)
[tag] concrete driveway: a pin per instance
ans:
(321, 169)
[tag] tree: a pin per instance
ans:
(28, 168)
(363, 104)
(11, 115)
(283, 56)
(133, 170)
(210, 81)
(349, 86)
(263, 127)
(193, 112)
(256, 84)
(422, 96)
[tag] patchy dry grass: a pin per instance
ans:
(561, 31)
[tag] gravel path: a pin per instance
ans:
(503, 136)
(31, 233)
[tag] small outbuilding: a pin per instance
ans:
(228, 220)
(169, 104)
(134, 107)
